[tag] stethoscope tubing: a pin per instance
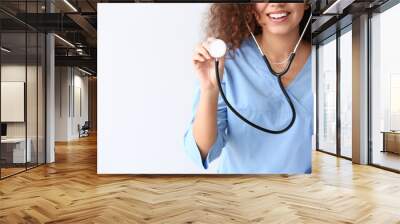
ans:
(279, 77)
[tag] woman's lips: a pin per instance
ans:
(278, 17)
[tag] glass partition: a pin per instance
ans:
(14, 153)
(32, 95)
(22, 62)
(32, 83)
(41, 87)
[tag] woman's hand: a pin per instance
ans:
(205, 67)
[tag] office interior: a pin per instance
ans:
(48, 81)
(49, 92)
(357, 92)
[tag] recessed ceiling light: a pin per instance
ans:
(84, 71)
(338, 6)
(64, 40)
(5, 50)
(70, 5)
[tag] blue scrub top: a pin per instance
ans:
(254, 92)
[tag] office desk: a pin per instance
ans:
(13, 150)
(391, 141)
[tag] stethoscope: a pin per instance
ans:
(217, 49)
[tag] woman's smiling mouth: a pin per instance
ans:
(278, 16)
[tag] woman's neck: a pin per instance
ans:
(278, 47)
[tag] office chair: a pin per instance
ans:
(84, 130)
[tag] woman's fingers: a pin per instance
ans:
(205, 46)
(202, 48)
(198, 58)
(203, 51)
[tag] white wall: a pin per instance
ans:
(61, 103)
(68, 81)
(145, 86)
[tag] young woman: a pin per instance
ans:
(254, 91)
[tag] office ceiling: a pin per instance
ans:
(330, 16)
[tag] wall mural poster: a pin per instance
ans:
(205, 88)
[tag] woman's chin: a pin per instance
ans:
(278, 32)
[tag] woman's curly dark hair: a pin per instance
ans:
(227, 22)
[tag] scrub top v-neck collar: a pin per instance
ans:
(260, 64)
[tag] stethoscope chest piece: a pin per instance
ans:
(217, 48)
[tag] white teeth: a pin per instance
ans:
(278, 15)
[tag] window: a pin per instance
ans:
(394, 102)
(385, 89)
(346, 74)
(327, 97)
